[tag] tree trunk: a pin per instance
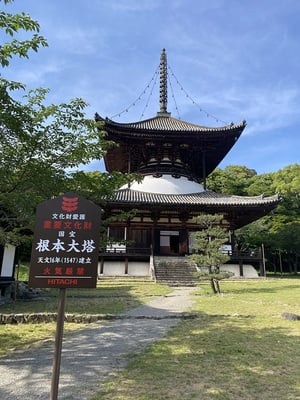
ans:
(214, 283)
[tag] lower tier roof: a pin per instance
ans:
(241, 209)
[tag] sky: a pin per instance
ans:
(228, 61)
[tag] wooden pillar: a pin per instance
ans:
(241, 266)
(262, 261)
(152, 239)
(101, 265)
(155, 233)
(183, 242)
(204, 169)
(129, 164)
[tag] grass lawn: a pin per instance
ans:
(110, 297)
(238, 347)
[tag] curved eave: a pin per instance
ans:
(239, 210)
(161, 126)
(134, 197)
(215, 143)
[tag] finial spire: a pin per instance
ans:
(163, 88)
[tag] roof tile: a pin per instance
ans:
(202, 198)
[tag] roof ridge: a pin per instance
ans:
(204, 194)
(161, 122)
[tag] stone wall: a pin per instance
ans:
(39, 318)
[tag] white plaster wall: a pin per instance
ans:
(166, 184)
(137, 268)
(117, 268)
(114, 268)
(248, 270)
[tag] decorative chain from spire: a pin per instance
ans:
(163, 89)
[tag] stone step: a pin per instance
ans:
(174, 271)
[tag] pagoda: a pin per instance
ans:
(173, 158)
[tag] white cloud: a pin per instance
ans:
(75, 40)
(135, 6)
(237, 60)
(268, 109)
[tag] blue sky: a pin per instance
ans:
(236, 59)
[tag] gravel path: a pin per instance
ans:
(92, 354)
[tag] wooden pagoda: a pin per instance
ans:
(174, 158)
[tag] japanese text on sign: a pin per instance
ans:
(65, 246)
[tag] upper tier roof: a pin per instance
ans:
(165, 124)
(167, 145)
(200, 148)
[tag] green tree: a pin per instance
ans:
(279, 230)
(286, 220)
(13, 115)
(37, 151)
(287, 182)
(234, 179)
(207, 243)
(42, 145)
(261, 184)
(11, 24)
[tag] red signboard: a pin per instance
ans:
(65, 246)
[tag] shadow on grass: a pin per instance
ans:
(207, 357)
(89, 355)
(215, 357)
(104, 299)
(276, 288)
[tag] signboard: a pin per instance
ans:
(66, 243)
(7, 261)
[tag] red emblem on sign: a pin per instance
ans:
(69, 204)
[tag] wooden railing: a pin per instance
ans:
(243, 255)
(124, 250)
(246, 255)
